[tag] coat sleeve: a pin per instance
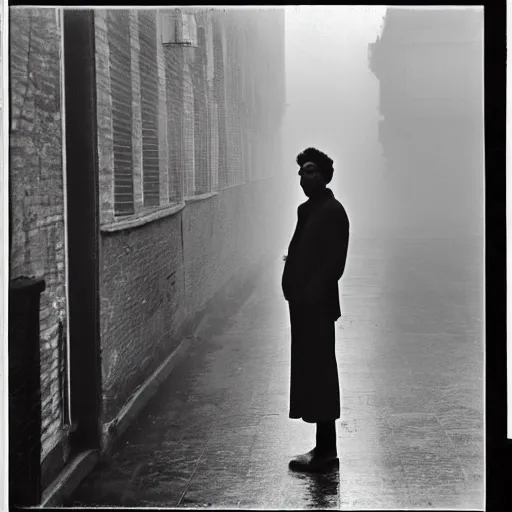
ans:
(297, 228)
(333, 263)
(285, 281)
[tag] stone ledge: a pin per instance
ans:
(248, 182)
(195, 329)
(150, 215)
(114, 429)
(207, 195)
(141, 218)
(200, 197)
(70, 478)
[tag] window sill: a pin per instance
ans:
(149, 215)
(201, 197)
(243, 183)
(141, 218)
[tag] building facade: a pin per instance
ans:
(186, 109)
(429, 63)
(37, 223)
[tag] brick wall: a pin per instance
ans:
(224, 235)
(156, 276)
(148, 294)
(142, 290)
(37, 199)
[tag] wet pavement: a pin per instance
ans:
(410, 359)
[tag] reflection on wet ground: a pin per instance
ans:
(410, 357)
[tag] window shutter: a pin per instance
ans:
(219, 93)
(149, 102)
(121, 77)
(202, 173)
(174, 84)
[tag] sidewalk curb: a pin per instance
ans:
(70, 478)
(115, 428)
(81, 465)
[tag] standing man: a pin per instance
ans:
(314, 264)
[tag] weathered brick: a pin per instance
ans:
(50, 332)
(136, 111)
(35, 174)
(158, 289)
(145, 294)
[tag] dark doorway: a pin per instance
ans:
(82, 228)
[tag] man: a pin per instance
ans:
(314, 264)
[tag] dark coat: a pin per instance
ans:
(315, 263)
(317, 254)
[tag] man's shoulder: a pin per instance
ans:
(302, 206)
(334, 207)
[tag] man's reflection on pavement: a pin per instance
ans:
(321, 490)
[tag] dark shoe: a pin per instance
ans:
(314, 461)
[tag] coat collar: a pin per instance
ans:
(323, 196)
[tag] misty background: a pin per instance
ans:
(333, 104)
(143, 284)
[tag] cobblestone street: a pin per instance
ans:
(410, 360)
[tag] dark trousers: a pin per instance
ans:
(314, 384)
(326, 436)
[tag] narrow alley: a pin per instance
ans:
(156, 167)
(410, 360)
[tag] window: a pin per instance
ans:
(219, 94)
(201, 131)
(149, 104)
(232, 108)
(174, 84)
(118, 22)
(189, 167)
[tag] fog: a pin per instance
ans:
(333, 100)
(430, 181)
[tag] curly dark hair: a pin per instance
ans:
(316, 156)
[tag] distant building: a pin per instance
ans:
(429, 63)
(138, 193)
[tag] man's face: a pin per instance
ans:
(311, 180)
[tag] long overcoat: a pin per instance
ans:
(315, 263)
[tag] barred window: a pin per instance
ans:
(118, 25)
(174, 81)
(219, 93)
(149, 103)
(189, 167)
(202, 174)
(230, 106)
